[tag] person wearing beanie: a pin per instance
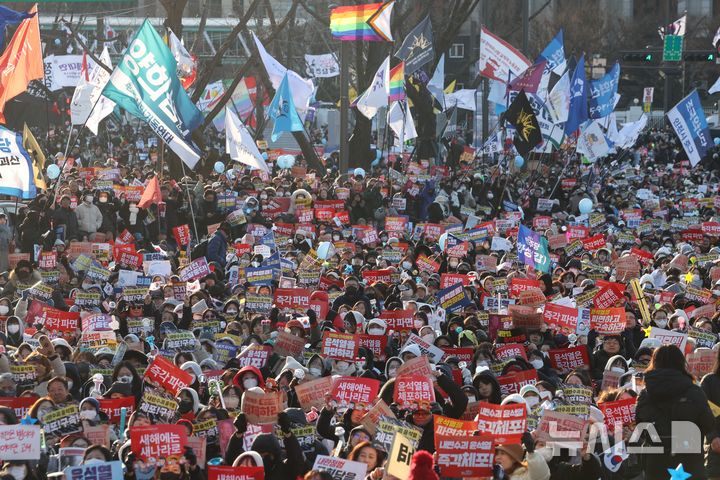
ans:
(516, 465)
(422, 466)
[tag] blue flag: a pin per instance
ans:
(10, 17)
(16, 170)
(554, 53)
(282, 111)
(578, 112)
(533, 249)
(602, 93)
(688, 120)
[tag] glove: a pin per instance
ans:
(190, 456)
(241, 423)
(528, 442)
(284, 422)
(312, 316)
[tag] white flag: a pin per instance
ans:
(678, 27)
(322, 66)
(104, 106)
(591, 142)
(715, 86)
(80, 105)
(436, 85)
(240, 145)
(376, 95)
(630, 132)
(400, 121)
(558, 102)
(464, 98)
(301, 89)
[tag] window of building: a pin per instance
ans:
(457, 50)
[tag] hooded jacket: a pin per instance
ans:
(14, 339)
(237, 379)
(671, 395)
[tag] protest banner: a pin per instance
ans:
(560, 317)
(398, 320)
(385, 428)
(62, 421)
(356, 391)
(608, 321)
(416, 366)
(452, 427)
(561, 429)
(620, 412)
(426, 348)
(287, 344)
(181, 341)
(668, 337)
(292, 298)
(167, 375)
(312, 393)
(508, 351)
(261, 408)
(701, 362)
(504, 423)
(95, 471)
(112, 407)
(339, 346)
(414, 392)
(156, 442)
(96, 322)
(399, 457)
(340, 469)
(19, 405)
(20, 442)
(450, 279)
(453, 298)
(524, 316)
(375, 343)
(570, 358)
(221, 472)
(607, 297)
(463, 354)
(254, 356)
(513, 382)
(60, 320)
(196, 269)
(465, 456)
(519, 285)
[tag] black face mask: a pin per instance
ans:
(351, 290)
(169, 476)
(185, 406)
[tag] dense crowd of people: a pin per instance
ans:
(316, 325)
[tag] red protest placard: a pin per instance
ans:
(167, 375)
(112, 406)
(396, 224)
(287, 344)
(519, 285)
(292, 298)
(466, 456)
(505, 423)
(47, 260)
(577, 232)
(312, 393)
(607, 321)
(355, 390)
(452, 427)
(619, 412)
(464, 354)
(510, 350)
(416, 366)
(398, 320)
(260, 408)
(606, 298)
(642, 255)
(217, 472)
(561, 428)
(20, 405)
(372, 276)
(595, 242)
(513, 382)
(542, 222)
(450, 279)
(182, 234)
(425, 264)
(339, 346)
(158, 441)
(125, 237)
(414, 391)
(567, 359)
(375, 343)
(60, 320)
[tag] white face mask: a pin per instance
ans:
(430, 338)
(418, 324)
(88, 414)
(538, 364)
(617, 370)
(661, 323)
(341, 366)
(18, 473)
(231, 402)
(13, 328)
(375, 331)
(249, 383)
(315, 372)
(4, 309)
(92, 461)
(125, 379)
(391, 372)
(406, 265)
(532, 401)
(545, 395)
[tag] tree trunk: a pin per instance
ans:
(174, 10)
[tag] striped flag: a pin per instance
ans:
(397, 82)
(369, 22)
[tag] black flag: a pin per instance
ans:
(527, 130)
(417, 48)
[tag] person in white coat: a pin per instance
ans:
(88, 215)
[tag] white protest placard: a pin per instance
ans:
(434, 353)
(19, 442)
(340, 468)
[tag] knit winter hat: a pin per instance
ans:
(421, 466)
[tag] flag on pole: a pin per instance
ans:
(22, 61)
(578, 110)
(437, 82)
(688, 120)
(591, 142)
(397, 82)
(80, 105)
(603, 92)
(145, 84)
(401, 123)
(368, 22)
(716, 38)
(715, 87)
(376, 95)
(103, 106)
(151, 195)
(417, 48)
(32, 147)
(498, 58)
(16, 169)
(520, 115)
(529, 80)
(10, 17)
(186, 62)
(282, 112)
(240, 145)
(533, 249)
(677, 27)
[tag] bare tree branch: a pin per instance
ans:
(314, 14)
(216, 61)
(201, 28)
(174, 10)
(75, 36)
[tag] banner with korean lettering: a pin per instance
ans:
(182, 234)
(453, 298)
(513, 382)
(20, 442)
(688, 120)
(466, 456)
(445, 426)
(198, 268)
(357, 391)
(167, 375)
(218, 472)
(533, 249)
(505, 423)
(568, 359)
(375, 343)
(112, 408)
(608, 321)
(292, 298)
(95, 471)
(620, 412)
(158, 441)
(261, 408)
(398, 320)
(413, 392)
(339, 346)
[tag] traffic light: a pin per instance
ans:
(701, 56)
(638, 56)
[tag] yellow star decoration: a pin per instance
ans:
(688, 277)
(647, 330)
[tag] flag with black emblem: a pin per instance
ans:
(527, 130)
(417, 48)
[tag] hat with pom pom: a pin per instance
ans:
(421, 466)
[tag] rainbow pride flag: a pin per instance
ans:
(368, 22)
(397, 82)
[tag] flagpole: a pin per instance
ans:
(192, 213)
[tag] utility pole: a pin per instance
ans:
(666, 89)
(485, 81)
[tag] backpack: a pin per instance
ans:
(199, 250)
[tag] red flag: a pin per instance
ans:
(151, 194)
(22, 61)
